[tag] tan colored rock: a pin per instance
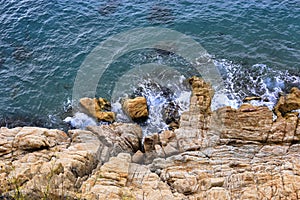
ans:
(248, 123)
(117, 138)
(98, 108)
(46, 163)
(7, 137)
(287, 103)
(297, 133)
(31, 138)
(202, 94)
(138, 157)
(136, 108)
(106, 116)
(136, 180)
(283, 129)
(251, 98)
(91, 105)
(226, 154)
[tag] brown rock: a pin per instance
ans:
(136, 108)
(173, 125)
(98, 108)
(120, 179)
(138, 157)
(248, 123)
(226, 154)
(106, 116)
(7, 137)
(104, 104)
(251, 98)
(283, 129)
(287, 103)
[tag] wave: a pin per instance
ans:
(256, 80)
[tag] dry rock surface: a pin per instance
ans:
(226, 154)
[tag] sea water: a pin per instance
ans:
(255, 46)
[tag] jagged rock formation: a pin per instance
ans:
(226, 154)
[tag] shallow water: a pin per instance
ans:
(254, 44)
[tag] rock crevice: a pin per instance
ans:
(224, 154)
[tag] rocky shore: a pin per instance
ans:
(225, 154)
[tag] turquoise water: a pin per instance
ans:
(255, 44)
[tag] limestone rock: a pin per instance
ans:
(138, 157)
(98, 108)
(46, 162)
(283, 129)
(7, 137)
(287, 103)
(136, 108)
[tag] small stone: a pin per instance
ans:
(173, 126)
(217, 182)
(252, 98)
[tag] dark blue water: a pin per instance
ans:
(255, 44)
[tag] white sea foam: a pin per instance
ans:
(257, 80)
(80, 121)
(239, 82)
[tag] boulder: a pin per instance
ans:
(98, 108)
(225, 154)
(287, 103)
(136, 108)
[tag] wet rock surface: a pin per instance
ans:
(225, 154)
(287, 103)
(136, 108)
(98, 108)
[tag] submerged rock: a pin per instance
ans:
(160, 15)
(98, 108)
(136, 108)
